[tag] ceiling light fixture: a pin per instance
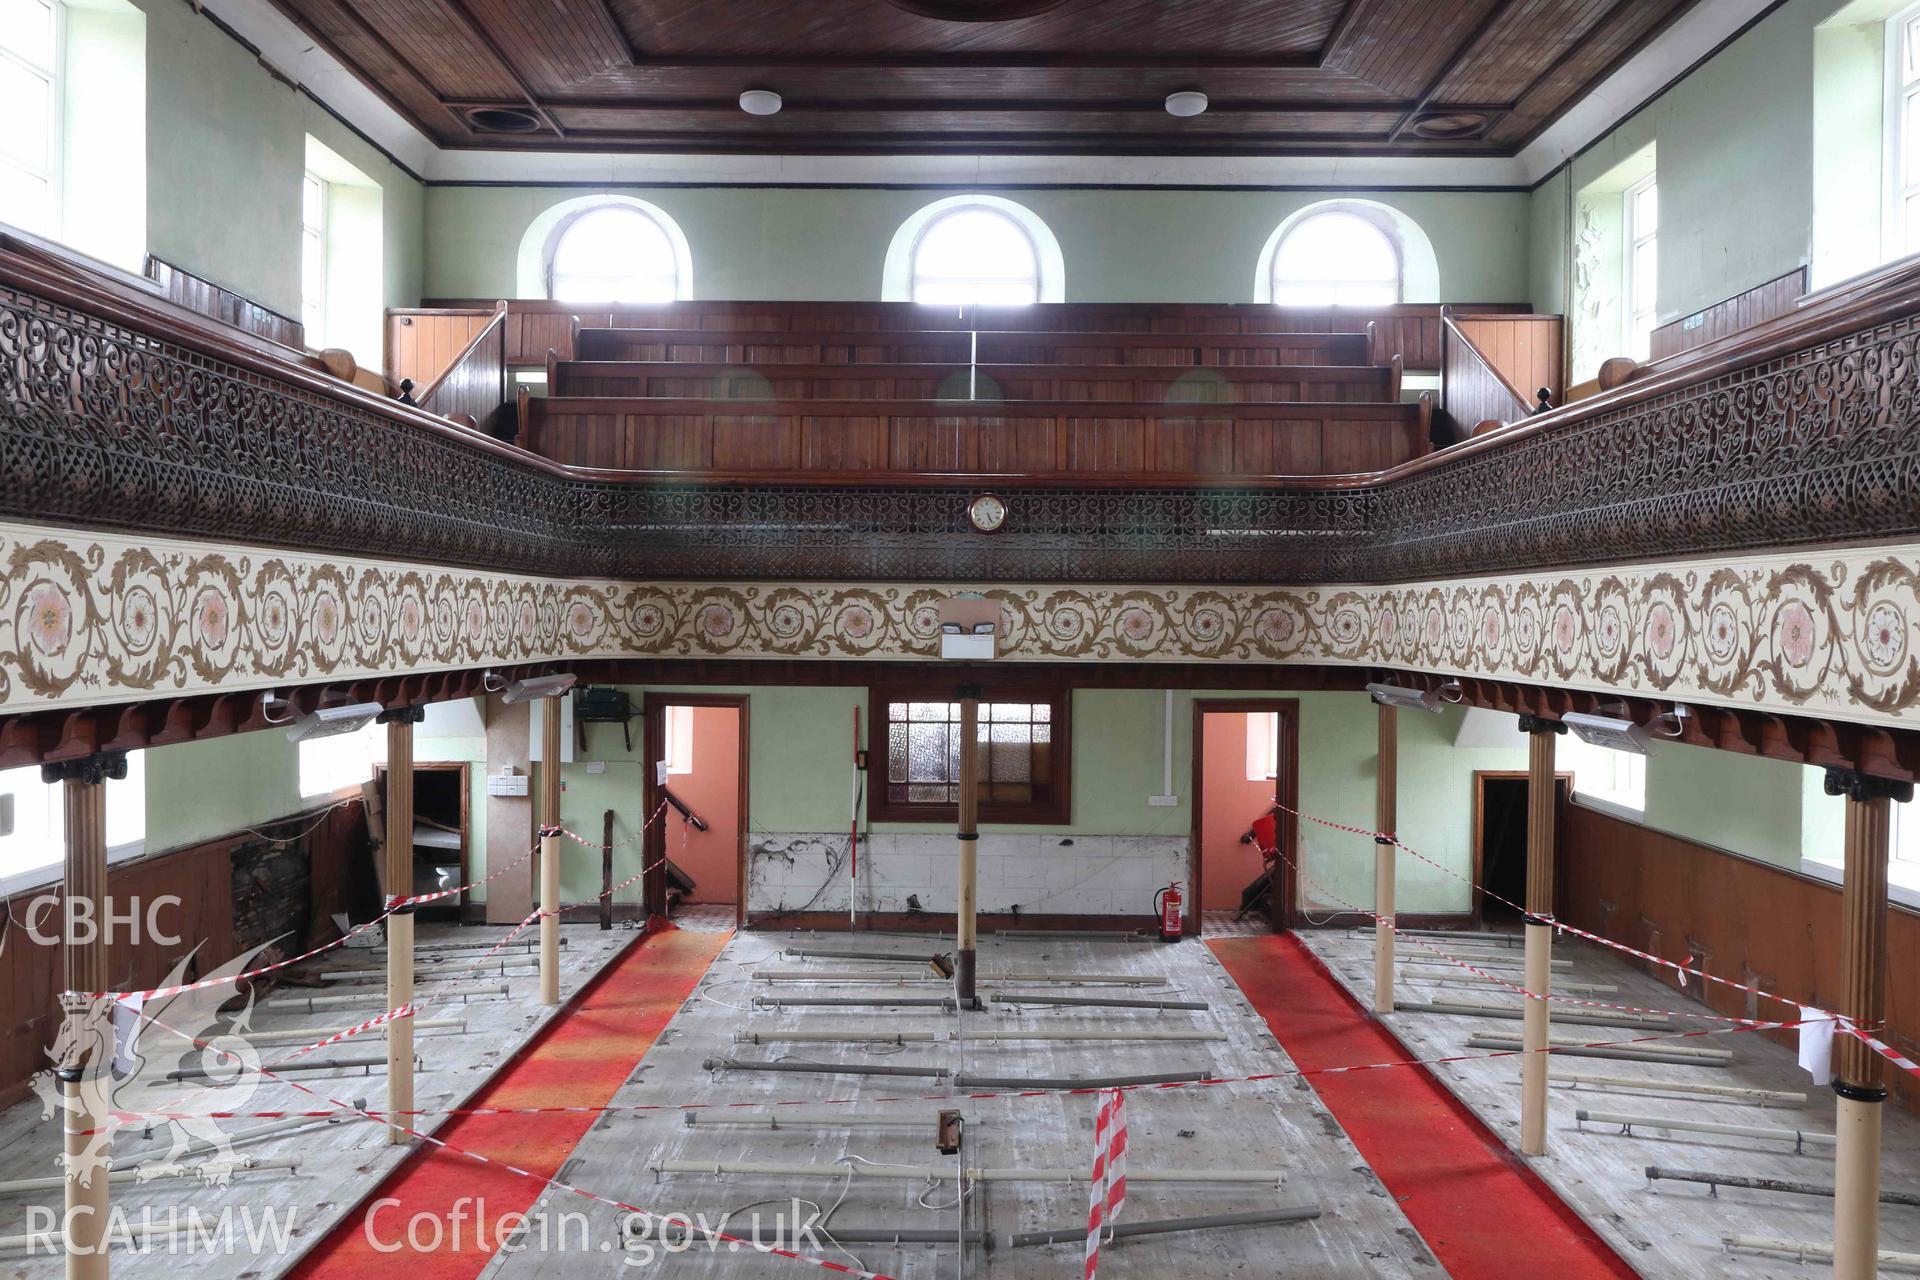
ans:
(1399, 695)
(331, 722)
(538, 687)
(1185, 103)
(760, 102)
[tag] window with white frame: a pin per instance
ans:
(612, 253)
(975, 254)
(1617, 779)
(1263, 746)
(330, 765)
(33, 821)
(1640, 221)
(313, 258)
(1336, 258)
(1900, 220)
(30, 32)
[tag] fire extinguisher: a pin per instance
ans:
(1166, 903)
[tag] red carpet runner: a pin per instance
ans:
(580, 1059)
(1484, 1214)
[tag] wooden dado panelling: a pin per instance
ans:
(1525, 350)
(217, 303)
(715, 346)
(422, 345)
(1228, 384)
(1733, 916)
(1754, 306)
(839, 440)
(1410, 330)
(208, 878)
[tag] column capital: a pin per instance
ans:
(403, 715)
(1530, 723)
(1855, 785)
(93, 770)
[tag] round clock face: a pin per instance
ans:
(988, 512)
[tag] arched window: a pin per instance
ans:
(1336, 258)
(613, 253)
(975, 254)
(974, 249)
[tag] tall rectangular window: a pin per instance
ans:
(30, 114)
(1900, 223)
(1641, 224)
(313, 257)
(1022, 753)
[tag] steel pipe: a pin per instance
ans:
(831, 953)
(826, 1068)
(426, 973)
(1723, 1092)
(1490, 960)
(1513, 940)
(1717, 1180)
(1082, 935)
(840, 1117)
(1166, 1226)
(844, 1036)
(998, 979)
(854, 1002)
(1673, 1054)
(964, 1080)
(946, 1172)
(1460, 975)
(1800, 1138)
(279, 1003)
(366, 1061)
(979, 1035)
(1475, 1009)
(849, 1035)
(159, 1172)
(1096, 1002)
(310, 1035)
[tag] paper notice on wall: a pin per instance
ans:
(1816, 1045)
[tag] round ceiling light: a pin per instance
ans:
(760, 102)
(1187, 102)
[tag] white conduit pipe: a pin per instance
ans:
(56, 1241)
(1798, 1137)
(844, 1118)
(1810, 1251)
(309, 1035)
(278, 1003)
(199, 1146)
(1479, 960)
(427, 973)
(921, 1172)
(845, 1036)
(1455, 935)
(852, 1036)
(1727, 1092)
(1441, 975)
(987, 1035)
(158, 1172)
(1575, 1017)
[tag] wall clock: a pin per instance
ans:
(988, 512)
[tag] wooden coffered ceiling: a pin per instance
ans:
(1081, 77)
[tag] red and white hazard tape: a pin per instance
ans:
(1107, 1187)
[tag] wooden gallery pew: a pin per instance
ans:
(827, 441)
(719, 346)
(1218, 384)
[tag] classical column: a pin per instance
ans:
(550, 852)
(85, 1075)
(969, 840)
(1539, 953)
(1859, 1073)
(400, 722)
(1385, 818)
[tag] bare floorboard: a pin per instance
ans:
(1667, 1230)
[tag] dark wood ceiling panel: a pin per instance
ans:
(1465, 77)
(781, 27)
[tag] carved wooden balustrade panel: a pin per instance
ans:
(112, 419)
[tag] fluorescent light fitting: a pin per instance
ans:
(331, 722)
(1608, 731)
(983, 628)
(760, 102)
(539, 687)
(1186, 103)
(1399, 695)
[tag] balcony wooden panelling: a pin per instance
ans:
(1230, 384)
(1409, 329)
(422, 345)
(824, 440)
(716, 346)
(1743, 310)
(217, 302)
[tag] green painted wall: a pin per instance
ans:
(1736, 156)
(1119, 246)
(1742, 803)
(200, 790)
(226, 145)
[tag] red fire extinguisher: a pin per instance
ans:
(1167, 903)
